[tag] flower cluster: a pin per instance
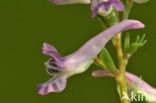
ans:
(102, 7)
(93, 51)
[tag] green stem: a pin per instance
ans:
(110, 20)
(122, 59)
(122, 62)
(128, 7)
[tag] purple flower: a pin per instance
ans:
(62, 68)
(132, 81)
(104, 7)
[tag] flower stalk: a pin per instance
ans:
(122, 62)
(113, 19)
(128, 6)
(121, 79)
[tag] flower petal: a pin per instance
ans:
(118, 5)
(131, 78)
(93, 47)
(51, 51)
(142, 84)
(62, 2)
(47, 47)
(103, 7)
(102, 73)
(97, 6)
(55, 84)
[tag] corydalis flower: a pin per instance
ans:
(102, 7)
(62, 68)
(132, 81)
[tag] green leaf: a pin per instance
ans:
(138, 38)
(107, 60)
(143, 37)
(131, 48)
(127, 42)
(118, 90)
(101, 66)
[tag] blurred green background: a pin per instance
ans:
(26, 24)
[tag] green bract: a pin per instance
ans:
(130, 48)
(107, 60)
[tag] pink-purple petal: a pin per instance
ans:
(49, 47)
(118, 5)
(103, 5)
(142, 84)
(96, 5)
(102, 73)
(55, 84)
(49, 50)
(132, 79)
(93, 47)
